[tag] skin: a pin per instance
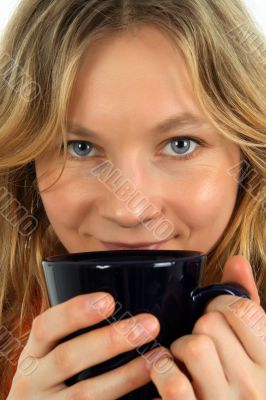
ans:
(113, 96)
(110, 96)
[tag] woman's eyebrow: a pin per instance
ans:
(178, 121)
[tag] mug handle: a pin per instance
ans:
(200, 297)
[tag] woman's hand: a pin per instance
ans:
(225, 356)
(54, 363)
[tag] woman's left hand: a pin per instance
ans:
(224, 358)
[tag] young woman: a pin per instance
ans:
(172, 94)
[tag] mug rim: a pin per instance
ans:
(112, 256)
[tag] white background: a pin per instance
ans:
(257, 7)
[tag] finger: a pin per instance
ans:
(172, 384)
(237, 269)
(199, 354)
(215, 325)
(65, 318)
(248, 321)
(92, 348)
(111, 385)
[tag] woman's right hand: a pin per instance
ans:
(55, 362)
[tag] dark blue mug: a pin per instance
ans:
(165, 283)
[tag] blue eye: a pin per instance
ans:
(181, 146)
(80, 149)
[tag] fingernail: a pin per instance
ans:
(158, 358)
(163, 364)
(98, 302)
(142, 329)
(160, 365)
(124, 327)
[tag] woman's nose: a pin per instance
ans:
(129, 208)
(124, 201)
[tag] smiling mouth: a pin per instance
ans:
(136, 246)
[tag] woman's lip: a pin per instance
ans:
(114, 246)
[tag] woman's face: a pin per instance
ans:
(127, 87)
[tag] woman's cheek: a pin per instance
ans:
(206, 209)
(60, 197)
(214, 195)
(66, 204)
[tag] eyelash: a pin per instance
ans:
(169, 141)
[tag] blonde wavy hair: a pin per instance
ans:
(41, 50)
